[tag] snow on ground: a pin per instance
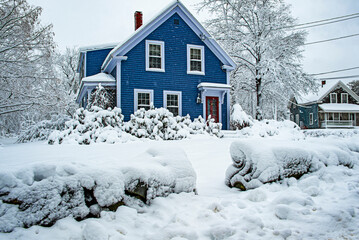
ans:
(321, 205)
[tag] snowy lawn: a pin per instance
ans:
(321, 205)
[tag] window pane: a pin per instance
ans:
(155, 50)
(196, 66)
(155, 62)
(195, 54)
(173, 110)
(143, 101)
(172, 101)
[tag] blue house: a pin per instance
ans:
(335, 105)
(171, 62)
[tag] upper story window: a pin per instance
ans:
(333, 98)
(172, 100)
(155, 56)
(143, 99)
(344, 97)
(195, 59)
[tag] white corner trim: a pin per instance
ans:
(179, 93)
(135, 98)
(189, 47)
(162, 44)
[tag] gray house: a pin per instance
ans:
(335, 105)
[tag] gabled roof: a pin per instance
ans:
(324, 91)
(145, 30)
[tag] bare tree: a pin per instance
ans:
(258, 34)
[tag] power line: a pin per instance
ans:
(325, 20)
(343, 77)
(320, 24)
(335, 71)
(332, 39)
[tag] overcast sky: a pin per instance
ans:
(90, 22)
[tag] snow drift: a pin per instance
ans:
(256, 162)
(43, 193)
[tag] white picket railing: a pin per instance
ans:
(337, 123)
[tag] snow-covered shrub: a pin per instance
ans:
(43, 129)
(101, 98)
(239, 119)
(94, 125)
(270, 128)
(44, 193)
(159, 123)
(331, 132)
(257, 162)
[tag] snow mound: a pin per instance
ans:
(43, 193)
(256, 162)
(43, 129)
(271, 128)
(239, 119)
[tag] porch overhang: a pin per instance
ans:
(91, 82)
(219, 88)
(338, 108)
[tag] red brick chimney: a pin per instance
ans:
(138, 19)
(323, 82)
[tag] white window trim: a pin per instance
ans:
(136, 91)
(311, 118)
(179, 93)
(331, 98)
(189, 46)
(347, 97)
(162, 44)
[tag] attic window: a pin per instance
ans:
(344, 97)
(155, 56)
(333, 98)
(176, 21)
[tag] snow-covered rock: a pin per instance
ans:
(41, 194)
(256, 162)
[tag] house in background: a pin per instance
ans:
(172, 62)
(335, 105)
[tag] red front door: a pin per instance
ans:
(212, 108)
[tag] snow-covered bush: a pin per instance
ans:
(159, 123)
(239, 119)
(43, 129)
(101, 98)
(258, 162)
(331, 132)
(94, 125)
(270, 128)
(44, 193)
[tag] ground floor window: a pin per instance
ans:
(172, 100)
(143, 99)
(310, 118)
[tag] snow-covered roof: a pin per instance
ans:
(214, 85)
(142, 32)
(324, 91)
(100, 77)
(97, 47)
(339, 107)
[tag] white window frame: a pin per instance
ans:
(297, 119)
(162, 44)
(332, 97)
(179, 93)
(346, 96)
(311, 118)
(136, 92)
(189, 47)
